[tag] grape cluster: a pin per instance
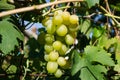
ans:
(61, 33)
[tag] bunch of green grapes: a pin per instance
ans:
(61, 34)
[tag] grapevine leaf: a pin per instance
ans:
(6, 6)
(105, 42)
(85, 72)
(100, 55)
(9, 36)
(78, 63)
(92, 3)
(85, 28)
(117, 53)
(116, 7)
(85, 65)
(94, 72)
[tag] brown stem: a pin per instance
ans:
(68, 4)
(35, 7)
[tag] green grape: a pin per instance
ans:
(52, 67)
(49, 38)
(73, 28)
(50, 28)
(48, 48)
(46, 21)
(53, 56)
(46, 57)
(57, 45)
(63, 50)
(58, 73)
(61, 61)
(57, 20)
(69, 39)
(74, 19)
(66, 16)
(62, 30)
(58, 12)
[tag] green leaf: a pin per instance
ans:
(92, 72)
(102, 41)
(85, 65)
(12, 69)
(92, 2)
(96, 33)
(116, 6)
(78, 63)
(100, 55)
(9, 35)
(6, 6)
(86, 75)
(85, 28)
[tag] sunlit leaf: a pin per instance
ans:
(85, 63)
(6, 6)
(9, 36)
(85, 27)
(100, 55)
(92, 2)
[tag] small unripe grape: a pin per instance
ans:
(57, 20)
(53, 56)
(52, 67)
(62, 30)
(46, 57)
(69, 39)
(74, 19)
(50, 28)
(49, 38)
(58, 73)
(57, 45)
(61, 61)
(58, 12)
(73, 28)
(48, 48)
(46, 21)
(63, 50)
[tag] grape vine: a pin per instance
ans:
(59, 40)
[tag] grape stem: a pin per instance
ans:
(55, 10)
(34, 7)
(52, 7)
(72, 47)
(26, 69)
(110, 15)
